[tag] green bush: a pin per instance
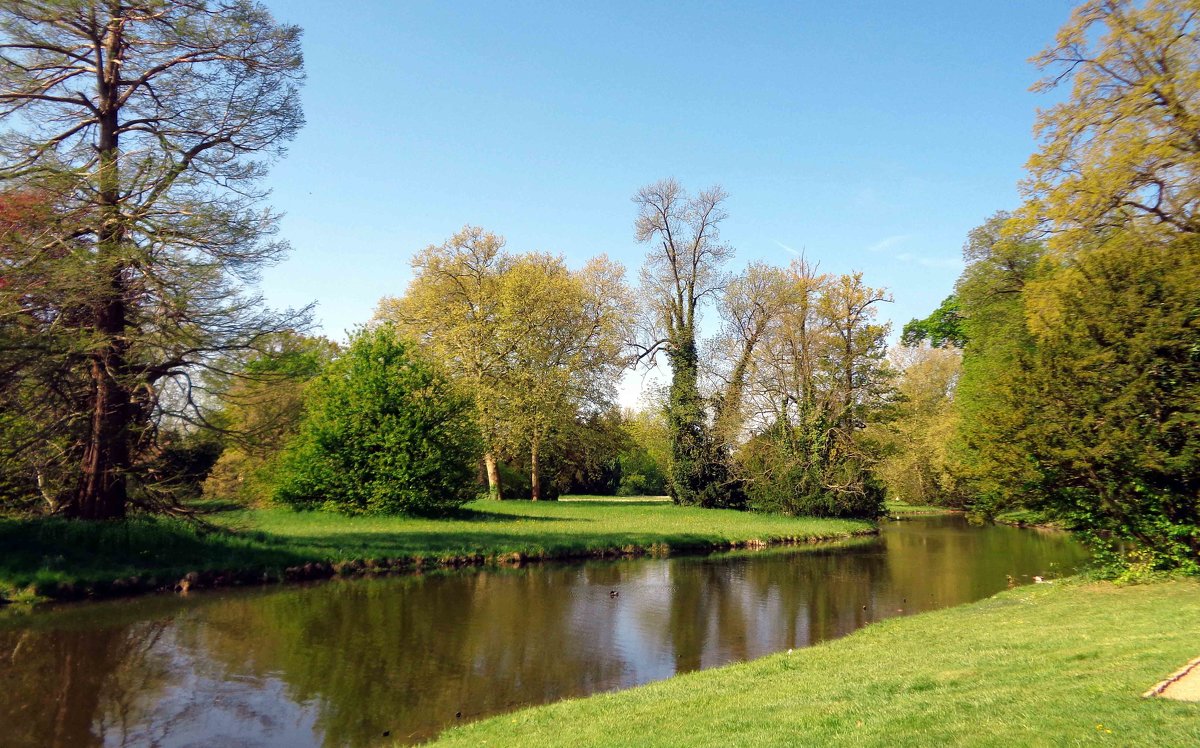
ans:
(782, 475)
(385, 432)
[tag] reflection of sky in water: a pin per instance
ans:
(205, 707)
(342, 662)
(639, 617)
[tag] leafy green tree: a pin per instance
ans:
(988, 399)
(1079, 385)
(1111, 397)
(944, 326)
(385, 432)
(148, 127)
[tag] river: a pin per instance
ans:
(397, 659)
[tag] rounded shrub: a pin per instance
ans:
(385, 432)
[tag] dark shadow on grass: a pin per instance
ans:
(433, 544)
(45, 552)
(214, 506)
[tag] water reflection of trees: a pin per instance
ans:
(724, 610)
(728, 610)
(80, 686)
(407, 656)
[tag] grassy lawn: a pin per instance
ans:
(1061, 664)
(616, 499)
(58, 558)
(902, 507)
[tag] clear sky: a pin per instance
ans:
(869, 135)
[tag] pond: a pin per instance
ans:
(380, 661)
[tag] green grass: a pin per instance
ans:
(1027, 517)
(902, 507)
(1060, 664)
(59, 558)
(616, 499)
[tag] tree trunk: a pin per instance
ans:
(102, 490)
(848, 401)
(493, 475)
(535, 479)
(101, 493)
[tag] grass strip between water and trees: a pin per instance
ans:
(54, 558)
(1051, 664)
(903, 508)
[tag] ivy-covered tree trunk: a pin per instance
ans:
(684, 268)
(700, 474)
(685, 416)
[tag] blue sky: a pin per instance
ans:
(870, 135)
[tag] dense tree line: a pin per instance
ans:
(1078, 315)
(136, 360)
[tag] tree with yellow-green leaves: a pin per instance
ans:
(918, 465)
(1123, 150)
(454, 307)
(568, 347)
(532, 341)
(813, 384)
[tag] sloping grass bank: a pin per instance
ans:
(54, 558)
(1060, 664)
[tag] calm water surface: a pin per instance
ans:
(344, 662)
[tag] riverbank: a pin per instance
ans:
(1028, 518)
(902, 509)
(1047, 664)
(60, 559)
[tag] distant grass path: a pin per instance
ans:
(62, 559)
(1045, 665)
